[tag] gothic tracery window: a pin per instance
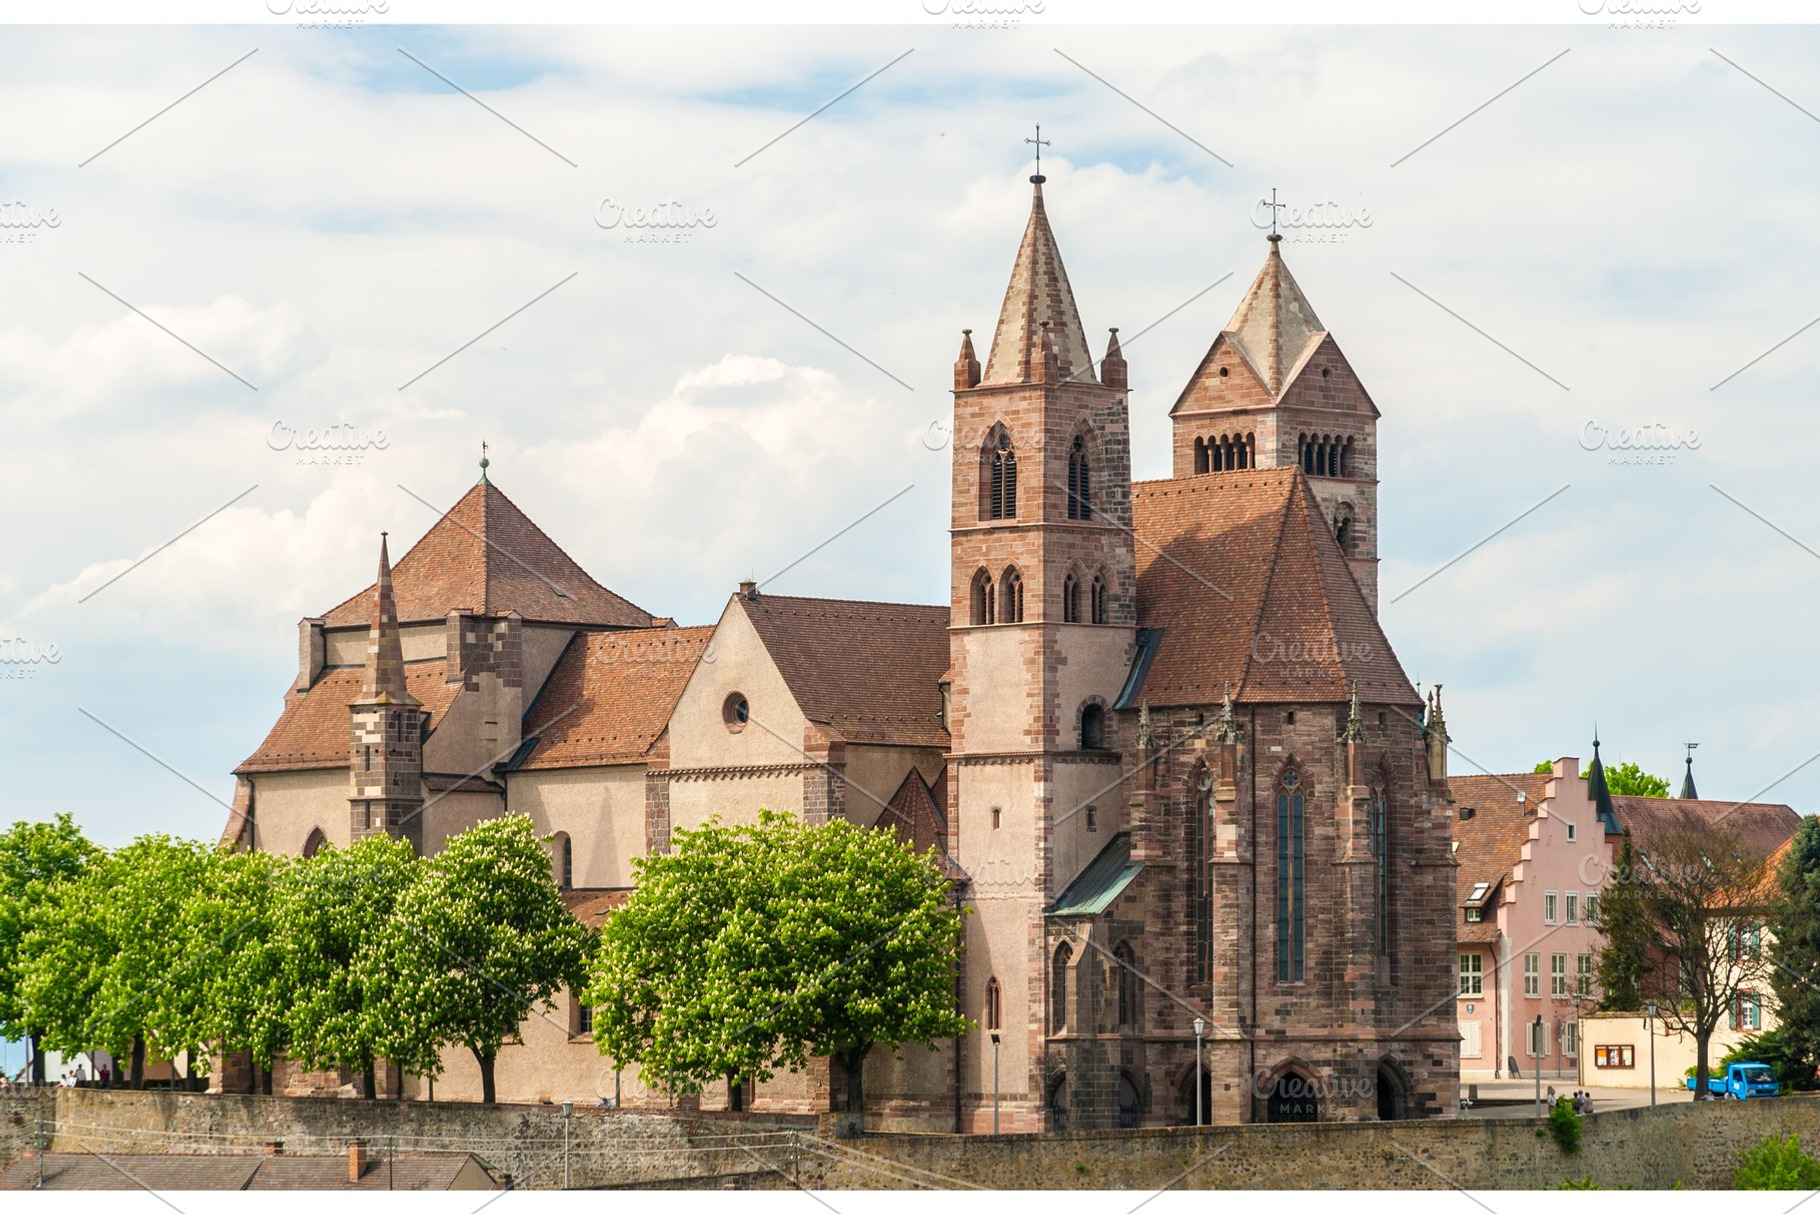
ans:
(1289, 877)
(1058, 987)
(1011, 596)
(1071, 600)
(1200, 881)
(1080, 486)
(1380, 854)
(1125, 961)
(994, 1004)
(984, 599)
(1001, 486)
(1099, 599)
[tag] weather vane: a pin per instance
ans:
(1274, 205)
(1040, 143)
(484, 461)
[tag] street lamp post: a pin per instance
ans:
(995, 1083)
(1537, 1030)
(1200, 1027)
(1650, 1024)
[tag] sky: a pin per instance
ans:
(1527, 241)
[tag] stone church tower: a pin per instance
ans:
(385, 744)
(1274, 391)
(1044, 613)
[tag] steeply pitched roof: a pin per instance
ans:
(610, 696)
(590, 906)
(1275, 327)
(864, 672)
(383, 680)
(486, 556)
(1761, 826)
(1490, 838)
(1688, 791)
(1101, 882)
(1252, 591)
(1037, 294)
(312, 731)
(919, 817)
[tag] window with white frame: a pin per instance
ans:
(1472, 973)
(1550, 907)
(1592, 910)
(1557, 975)
(1570, 1038)
(1583, 974)
(1532, 974)
(1538, 1038)
(1572, 832)
(1747, 1011)
(1573, 909)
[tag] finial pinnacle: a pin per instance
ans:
(484, 463)
(1037, 178)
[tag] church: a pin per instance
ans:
(1156, 739)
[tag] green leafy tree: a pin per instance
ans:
(1623, 925)
(35, 859)
(1565, 1127)
(752, 949)
(105, 960)
(1624, 780)
(239, 998)
(1794, 948)
(330, 917)
(1777, 1163)
(480, 941)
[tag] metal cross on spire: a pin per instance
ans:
(1274, 207)
(1040, 143)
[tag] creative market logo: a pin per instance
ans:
(665, 223)
(20, 222)
(1653, 445)
(328, 14)
(338, 446)
(1313, 223)
(1640, 14)
(985, 14)
(22, 659)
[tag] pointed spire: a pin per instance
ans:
(1038, 292)
(1275, 326)
(1598, 792)
(1144, 736)
(1688, 792)
(1355, 725)
(1435, 735)
(1225, 726)
(384, 680)
(1112, 367)
(967, 366)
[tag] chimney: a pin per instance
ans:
(357, 1160)
(748, 590)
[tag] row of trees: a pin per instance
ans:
(355, 955)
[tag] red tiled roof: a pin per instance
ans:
(1252, 591)
(590, 906)
(915, 813)
(1760, 826)
(486, 556)
(610, 696)
(312, 731)
(1490, 839)
(865, 672)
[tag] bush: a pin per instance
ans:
(1590, 1183)
(1777, 1163)
(1564, 1124)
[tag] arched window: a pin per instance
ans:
(314, 843)
(1200, 456)
(1098, 596)
(1011, 596)
(985, 599)
(1126, 964)
(1380, 854)
(1342, 527)
(1001, 479)
(1093, 727)
(1307, 455)
(1251, 451)
(1080, 481)
(564, 860)
(994, 1005)
(1071, 600)
(1200, 875)
(1058, 987)
(1289, 887)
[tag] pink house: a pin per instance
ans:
(1533, 850)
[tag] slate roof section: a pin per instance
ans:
(312, 731)
(1761, 826)
(863, 672)
(1038, 293)
(1101, 882)
(487, 557)
(610, 696)
(1490, 840)
(1253, 593)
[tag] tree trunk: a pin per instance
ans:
(371, 1078)
(37, 1059)
(853, 1063)
(138, 1063)
(1703, 1047)
(486, 1075)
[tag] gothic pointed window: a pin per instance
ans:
(1098, 596)
(1343, 528)
(314, 843)
(1001, 486)
(1058, 987)
(1011, 596)
(564, 861)
(1080, 483)
(1200, 877)
(1380, 854)
(1125, 961)
(984, 599)
(994, 1005)
(1289, 876)
(1071, 600)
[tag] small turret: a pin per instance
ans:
(1112, 367)
(967, 366)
